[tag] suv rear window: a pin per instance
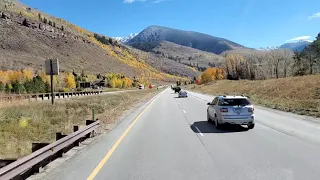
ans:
(234, 102)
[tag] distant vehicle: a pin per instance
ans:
(141, 86)
(177, 89)
(231, 110)
(183, 94)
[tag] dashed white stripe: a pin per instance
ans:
(184, 111)
(199, 131)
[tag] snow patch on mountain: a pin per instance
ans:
(126, 39)
(270, 48)
(297, 45)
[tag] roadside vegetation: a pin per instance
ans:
(281, 63)
(26, 81)
(22, 123)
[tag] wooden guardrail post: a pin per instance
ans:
(88, 122)
(59, 136)
(4, 162)
(76, 128)
(35, 147)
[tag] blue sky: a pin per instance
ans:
(253, 23)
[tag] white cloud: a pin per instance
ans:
(131, 1)
(305, 38)
(314, 16)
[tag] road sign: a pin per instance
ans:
(197, 82)
(52, 68)
(55, 66)
(150, 86)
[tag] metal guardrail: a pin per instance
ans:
(44, 96)
(33, 160)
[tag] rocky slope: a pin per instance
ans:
(182, 54)
(27, 39)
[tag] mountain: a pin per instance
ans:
(29, 37)
(270, 48)
(126, 39)
(182, 54)
(191, 39)
(299, 46)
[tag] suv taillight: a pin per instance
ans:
(224, 109)
(251, 109)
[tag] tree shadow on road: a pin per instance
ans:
(207, 127)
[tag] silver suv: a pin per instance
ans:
(231, 110)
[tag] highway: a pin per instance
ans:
(170, 139)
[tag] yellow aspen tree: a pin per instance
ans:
(4, 76)
(44, 77)
(70, 81)
(219, 74)
(208, 75)
(27, 74)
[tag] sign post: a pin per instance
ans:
(51, 81)
(92, 114)
(52, 68)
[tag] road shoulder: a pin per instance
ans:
(84, 158)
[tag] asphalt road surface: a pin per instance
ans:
(171, 140)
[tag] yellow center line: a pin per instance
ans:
(114, 147)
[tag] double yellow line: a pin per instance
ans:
(114, 147)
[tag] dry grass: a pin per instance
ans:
(299, 95)
(23, 123)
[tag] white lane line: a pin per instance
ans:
(184, 111)
(199, 131)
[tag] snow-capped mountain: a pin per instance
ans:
(270, 48)
(126, 39)
(294, 46)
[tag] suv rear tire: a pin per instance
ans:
(251, 126)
